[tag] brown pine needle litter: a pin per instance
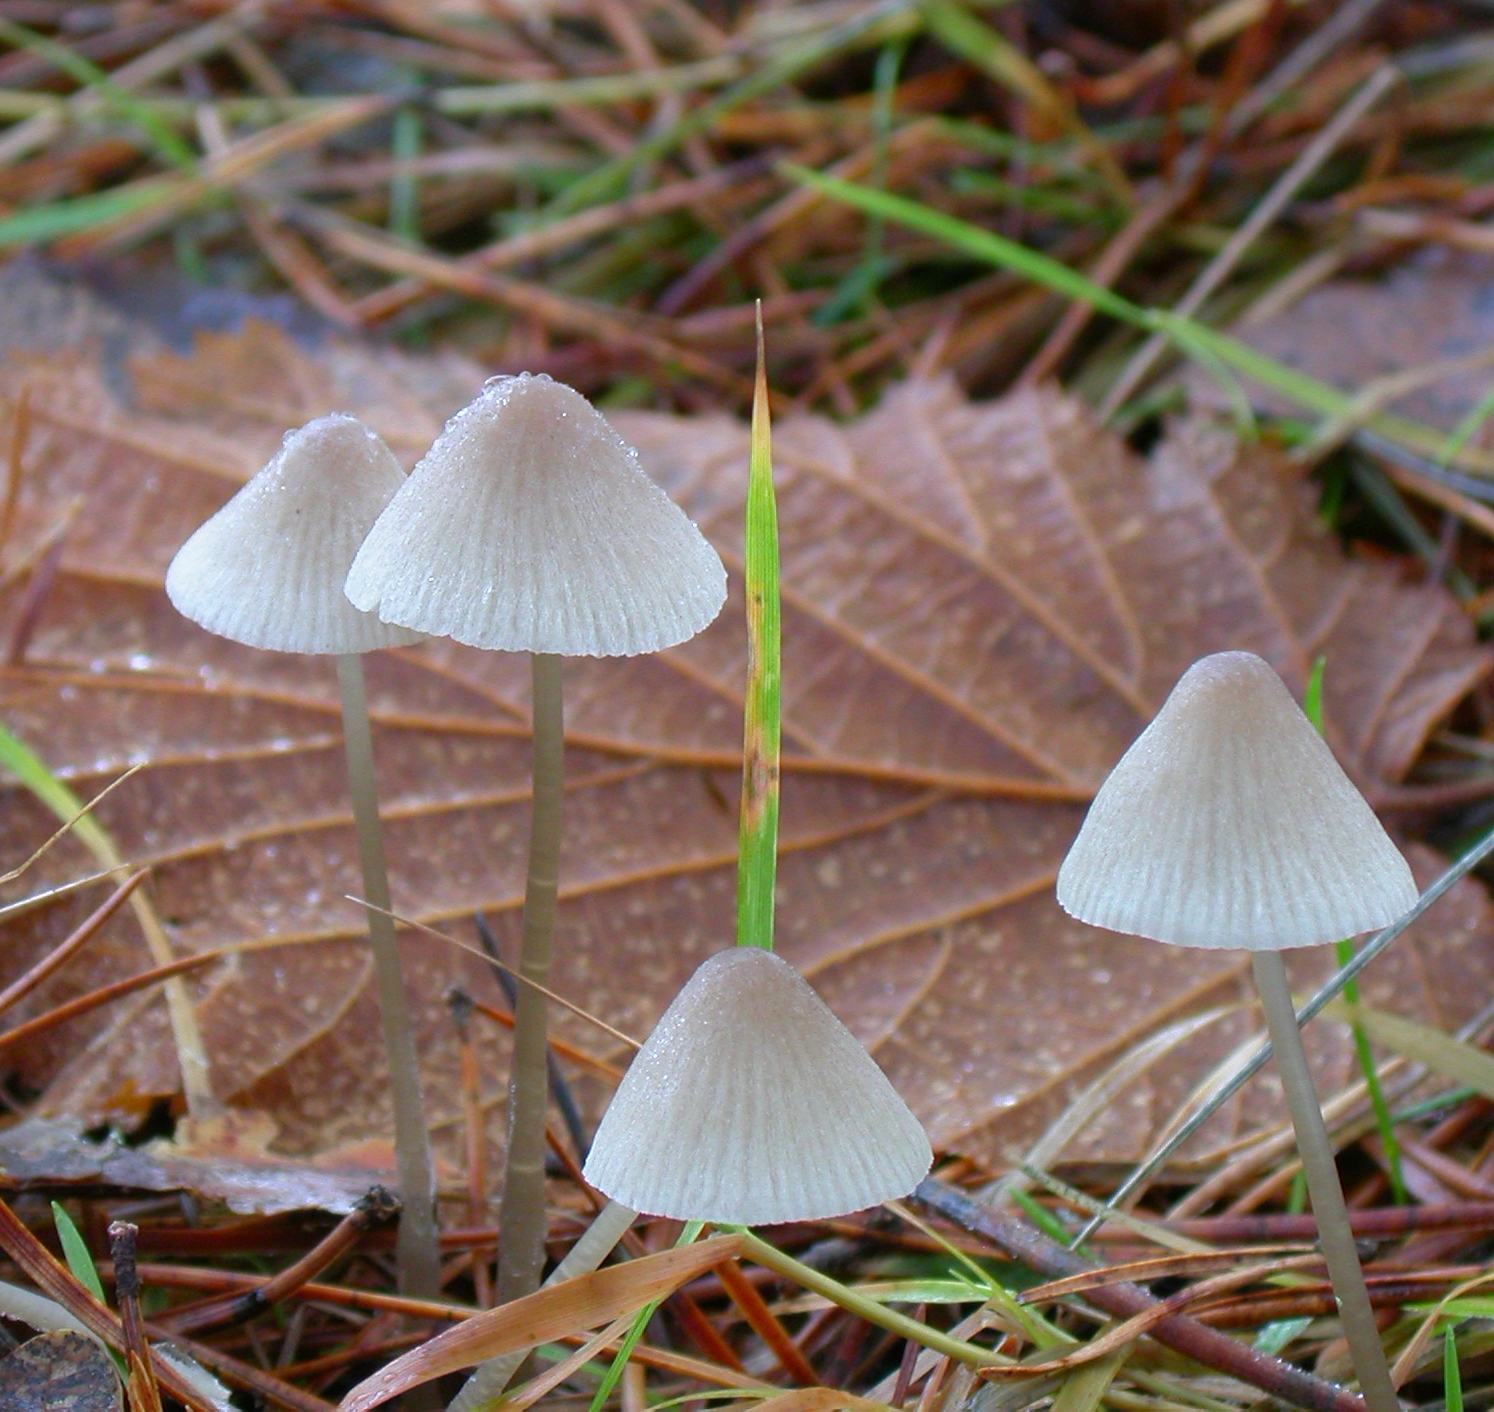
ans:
(607, 191)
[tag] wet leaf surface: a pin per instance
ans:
(60, 1372)
(983, 604)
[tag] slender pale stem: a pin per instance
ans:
(521, 1217)
(417, 1252)
(1334, 1234)
(482, 1390)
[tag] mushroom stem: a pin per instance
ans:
(1334, 1234)
(489, 1380)
(417, 1252)
(521, 1216)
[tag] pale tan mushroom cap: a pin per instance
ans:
(1228, 823)
(268, 568)
(530, 526)
(751, 1104)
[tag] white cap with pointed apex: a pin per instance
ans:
(1228, 823)
(751, 1104)
(530, 526)
(267, 569)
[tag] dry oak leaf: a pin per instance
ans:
(983, 604)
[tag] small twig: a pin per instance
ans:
(566, 1050)
(198, 1277)
(103, 995)
(377, 1207)
(754, 1309)
(1382, 1222)
(144, 1394)
(24, 984)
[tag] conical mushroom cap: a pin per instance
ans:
(530, 526)
(751, 1104)
(1228, 823)
(267, 569)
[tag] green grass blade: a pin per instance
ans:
(32, 771)
(1452, 1376)
(1424, 1044)
(80, 213)
(1084, 1389)
(614, 1373)
(170, 146)
(1312, 698)
(1275, 1336)
(75, 1252)
(757, 858)
(80, 1261)
(404, 190)
(1196, 340)
(1312, 706)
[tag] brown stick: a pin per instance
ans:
(755, 1310)
(220, 1281)
(376, 1207)
(1178, 1332)
(25, 984)
(103, 995)
(144, 1394)
(1374, 1221)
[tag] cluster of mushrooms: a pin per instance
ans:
(530, 526)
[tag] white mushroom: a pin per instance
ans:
(751, 1104)
(1228, 823)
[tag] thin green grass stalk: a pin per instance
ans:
(1084, 1389)
(404, 189)
(1466, 429)
(169, 144)
(613, 1376)
(462, 101)
(1452, 1375)
(75, 1251)
(1044, 1219)
(857, 291)
(76, 214)
(757, 861)
(1275, 1336)
(32, 771)
(80, 1261)
(756, 1249)
(1312, 707)
(1207, 346)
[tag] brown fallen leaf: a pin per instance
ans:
(60, 1370)
(982, 606)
